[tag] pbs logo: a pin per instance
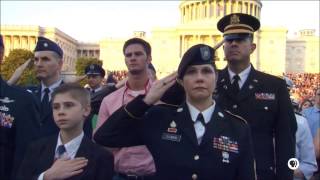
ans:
(293, 164)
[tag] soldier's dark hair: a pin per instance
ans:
(251, 38)
(76, 91)
(146, 46)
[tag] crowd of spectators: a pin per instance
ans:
(119, 75)
(304, 86)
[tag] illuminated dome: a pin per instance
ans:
(210, 11)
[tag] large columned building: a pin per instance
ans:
(25, 37)
(198, 23)
(275, 53)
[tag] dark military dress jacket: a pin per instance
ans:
(225, 152)
(19, 118)
(264, 102)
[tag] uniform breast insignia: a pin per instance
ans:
(265, 96)
(224, 143)
(179, 109)
(6, 100)
(4, 108)
(6, 120)
(171, 137)
(225, 157)
(172, 128)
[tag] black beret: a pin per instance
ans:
(196, 55)
(44, 44)
(238, 25)
(1, 42)
(95, 69)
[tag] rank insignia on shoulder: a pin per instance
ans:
(265, 96)
(172, 128)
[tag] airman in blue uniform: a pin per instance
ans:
(19, 118)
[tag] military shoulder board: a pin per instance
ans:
(237, 116)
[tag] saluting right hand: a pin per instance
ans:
(159, 87)
(65, 168)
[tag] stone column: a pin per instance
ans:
(243, 9)
(198, 10)
(208, 9)
(19, 41)
(190, 12)
(236, 6)
(214, 8)
(228, 7)
(194, 12)
(181, 15)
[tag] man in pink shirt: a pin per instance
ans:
(132, 162)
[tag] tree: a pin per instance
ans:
(82, 63)
(15, 59)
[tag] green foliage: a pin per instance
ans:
(82, 63)
(16, 58)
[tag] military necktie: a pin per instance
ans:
(45, 106)
(60, 151)
(201, 119)
(200, 127)
(235, 84)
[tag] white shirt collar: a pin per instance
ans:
(72, 146)
(194, 112)
(243, 75)
(51, 88)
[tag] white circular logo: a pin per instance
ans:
(293, 163)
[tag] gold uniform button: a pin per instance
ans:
(196, 157)
(234, 106)
(194, 176)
